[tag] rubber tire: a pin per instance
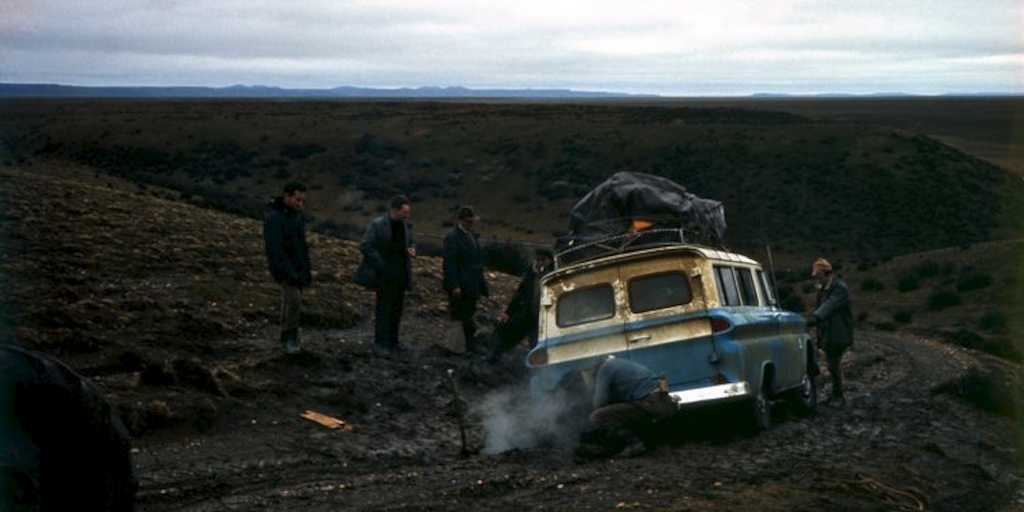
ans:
(804, 399)
(761, 409)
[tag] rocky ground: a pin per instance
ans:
(168, 308)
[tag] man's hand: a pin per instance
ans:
(457, 292)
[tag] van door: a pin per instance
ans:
(667, 328)
(584, 319)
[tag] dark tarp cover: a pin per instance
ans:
(611, 207)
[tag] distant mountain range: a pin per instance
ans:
(258, 91)
(8, 90)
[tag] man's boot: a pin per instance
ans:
(290, 341)
(836, 400)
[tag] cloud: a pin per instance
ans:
(643, 46)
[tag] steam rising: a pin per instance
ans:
(511, 422)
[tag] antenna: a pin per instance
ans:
(771, 273)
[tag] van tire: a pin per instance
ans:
(804, 398)
(761, 409)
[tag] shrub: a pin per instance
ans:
(793, 302)
(973, 281)
(508, 257)
(908, 283)
(872, 284)
(866, 265)
(942, 299)
(301, 151)
(994, 321)
(927, 269)
(903, 317)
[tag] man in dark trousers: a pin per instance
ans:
(833, 320)
(627, 399)
(284, 234)
(388, 250)
(63, 446)
(520, 317)
(464, 272)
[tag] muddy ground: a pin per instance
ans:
(167, 307)
(905, 442)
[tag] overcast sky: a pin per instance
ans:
(670, 47)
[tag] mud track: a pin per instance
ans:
(908, 440)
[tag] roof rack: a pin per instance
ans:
(616, 244)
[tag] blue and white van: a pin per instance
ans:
(705, 318)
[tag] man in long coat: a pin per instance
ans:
(464, 279)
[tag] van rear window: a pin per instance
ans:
(585, 305)
(658, 291)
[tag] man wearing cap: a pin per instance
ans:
(520, 317)
(464, 272)
(833, 320)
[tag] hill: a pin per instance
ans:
(169, 309)
(804, 185)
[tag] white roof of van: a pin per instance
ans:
(700, 250)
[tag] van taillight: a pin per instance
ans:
(719, 324)
(538, 357)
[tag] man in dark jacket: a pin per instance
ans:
(520, 317)
(284, 235)
(388, 249)
(63, 446)
(627, 398)
(833, 320)
(464, 272)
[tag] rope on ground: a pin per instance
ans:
(907, 498)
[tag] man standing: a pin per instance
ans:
(284, 234)
(520, 317)
(388, 249)
(833, 319)
(464, 272)
(627, 398)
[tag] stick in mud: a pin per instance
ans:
(458, 409)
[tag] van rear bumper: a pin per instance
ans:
(710, 394)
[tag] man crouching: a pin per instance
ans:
(627, 400)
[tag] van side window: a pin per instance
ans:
(658, 291)
(747, 288)
(585, 305)
(766, 287)
(727, 289)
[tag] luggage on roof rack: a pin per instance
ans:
(614, 216)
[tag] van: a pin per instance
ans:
(706, 318)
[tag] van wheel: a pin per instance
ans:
(804, 398)
(762, 409)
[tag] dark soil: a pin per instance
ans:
(181, 336)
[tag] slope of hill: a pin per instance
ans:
(169, 309)
(804, 186)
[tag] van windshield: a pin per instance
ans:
(658, 291)
(586, 305)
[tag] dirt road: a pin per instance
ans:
(908, 440)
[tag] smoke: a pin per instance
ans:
(511, 421)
